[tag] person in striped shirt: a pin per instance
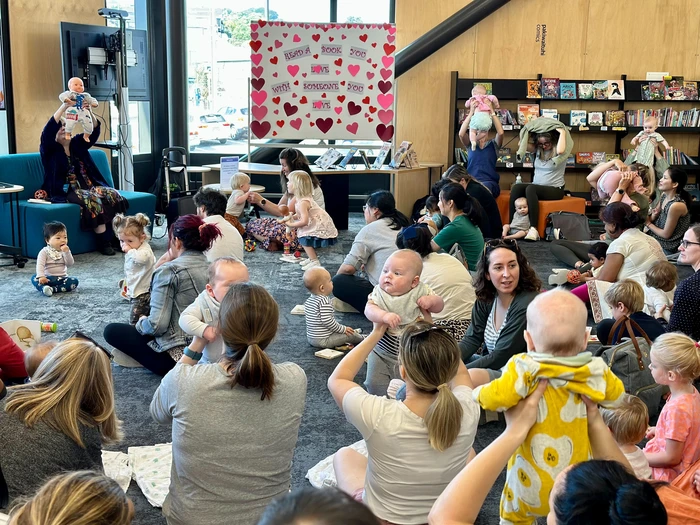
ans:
(322, 329)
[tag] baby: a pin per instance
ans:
(556, 338)
(240, 189)
(481, 120)
(661, 279)
(608, 183)
(646, 142)
(432, 213)
(77, 113)
(590, 270)
(628, 424)
(53, 261)
(201, 318)
(35, 355)
(520, 225)
(322, 329)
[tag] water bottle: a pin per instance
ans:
(518, 179)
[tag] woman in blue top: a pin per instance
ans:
(463, 228)
(483, 154)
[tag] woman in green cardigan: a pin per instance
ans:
(505, 284)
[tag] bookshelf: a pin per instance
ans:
(512, 92)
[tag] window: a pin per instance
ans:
(364, 11)
(304, 11)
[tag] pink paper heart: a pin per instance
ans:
(259, 97)
(308, 115)
(278, 44)
(366, 115)
(254, 27)
(352, 128)
(353, 69)
(266, 35)
(338, 110)
(385, 73)
(296, 123)
(385, 101)
(318, 104)
(343, 37)
(293, 70)
(385, 116)
(316, 69)
(256, 71)
(285, 35)
(303, 75)
(253, 36)
(370, 75)
(256, 58)
(259, 112)
(296, 38)
(338, 71)
(294, 95)
(387, 61)
(392, 30)
(390, 39)
(274, 74)
(276, 112)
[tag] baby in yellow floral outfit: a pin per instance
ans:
(556, 338)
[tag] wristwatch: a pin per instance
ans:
(196, 356)
(263, 202)
(620, 191)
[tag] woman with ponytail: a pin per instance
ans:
(157, 341)
(417, 446)
(235, 423)
(670, 218)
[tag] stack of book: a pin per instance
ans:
(667, 117)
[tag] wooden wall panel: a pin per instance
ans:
(36, 60)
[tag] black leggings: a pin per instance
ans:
(125, 338)
(533, 193)
(353, 290)
(570, 252)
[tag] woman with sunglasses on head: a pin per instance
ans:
(505, 284)
(417, 446)
(685, 316)
(548, 179)
(270, 232)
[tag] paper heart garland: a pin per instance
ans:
(255, 45)
(384, 87)
(257, 83)
(260, 129)
(385, 133)
(259, 97)
(385, 116)
(259, 112)
(385, 73)
(385, 100)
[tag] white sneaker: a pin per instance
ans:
(313, 263)
(289, 258)
(532, 234)
(393, 388)
(558, 277)
(47, 291)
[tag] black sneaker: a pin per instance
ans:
(106, 249)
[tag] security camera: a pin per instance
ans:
(112, 13)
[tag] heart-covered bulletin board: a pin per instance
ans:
(331, 81)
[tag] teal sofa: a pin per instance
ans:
(26, 170)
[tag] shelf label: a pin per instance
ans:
(509, 164)
(583, 128)
(516, 127)
(619, 128)
(507, 127)
(528, 165)
(603, 128)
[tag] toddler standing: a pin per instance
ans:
(674, 443)
(240, 189)
(139, 262)
(53, 261)
(520, 225)
(628, 423)
(315, 228)
(661, 279)
(322, 329)
(399, 299)
(556, 338)
(646, 142)
(201, 318)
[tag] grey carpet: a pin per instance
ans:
(323, 429)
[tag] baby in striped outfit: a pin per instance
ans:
(322, 329)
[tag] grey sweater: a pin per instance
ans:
(510, 340)
(372, 246)
(29, 456)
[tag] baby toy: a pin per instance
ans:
(250, 245)
(78, 112)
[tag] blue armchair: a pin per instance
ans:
(26, 170)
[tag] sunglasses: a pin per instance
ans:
(511, 244)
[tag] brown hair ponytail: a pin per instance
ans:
(248, 318)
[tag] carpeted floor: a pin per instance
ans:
(323, 429)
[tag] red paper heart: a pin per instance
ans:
(338, 62)
(296, 123)
(280, 123)
(257, 83)
(372, 109)
(255, 45)
(274, 60)
(323, 95)
(303, 100)
(296, 82)
(339, 121)
(311, 124)
(308, 115)
(330, 39)
(374, 44)
(388, 50)
(371, 86)
(285, 35)
(270, 49)
(276, 100)
(274, 133)
(341, 98)
(384, 87)
(294, 95)
(342, 82)
(365, 100)
(370, 120)
(260, 129)
(262, 23)
(325, 124)
(353, 108)
(363, 38)
(274, 74)
(316, 56)
(352, 128)
(316, 37)
(256, 71)
(385, 132)
(374, 66)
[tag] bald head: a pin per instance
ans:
(315, 277)
(556, 323)
(409, 260)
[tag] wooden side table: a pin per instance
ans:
(13, 251)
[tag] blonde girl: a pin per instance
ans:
(417, 446)
(675, 441)
(240, 189)
(76, 498)
(315, 228)
(60, 420)
(139, 262)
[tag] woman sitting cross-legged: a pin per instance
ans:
(505, 284)
(157, 341)
(416, 446)
(60, 420)
(235, 423)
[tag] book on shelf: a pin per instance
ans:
(600, 90)
(400, 154)
(567, 90)
(585, 91)
(690, 90)
(527, 112)
(616, 90)
(550, 88)
(411, 159)
(674, 88)
(570, 161)
(666, 117)
(584, 157)
(504, 155)
(506, 117)
(528, 159)
(488, 86)
(615, 118)
(381, 156)
(461, 155)
(672, 156)
(534, 89)
(595, 118)
(550, 113)
(653, 91)
(611, 156)
(365, 160)
(598, 157)
(577, 117)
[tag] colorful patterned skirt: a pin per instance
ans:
(98, 205)
(270, 229)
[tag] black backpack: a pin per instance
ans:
(567, 225)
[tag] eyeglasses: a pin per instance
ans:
(511, 244)
(685, 243)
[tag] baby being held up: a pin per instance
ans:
(481, 119)
(520, 225)
(628, 424)
(322, 329)
(556, 338)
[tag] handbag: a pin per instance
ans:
(629, 361)
(567, 225)
(457, 252)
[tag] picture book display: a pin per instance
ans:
(527, 112)
(615, 118)
(550, 88)
(585, 91)
(616, 90)
(349, 155)
(674, 88)
(595, 118)
(584, 157)
(550, 113)
(690, 90)
(381, 156)
(567, 90)
(577, 117)
(534, 89)
(653, 91)
(504, 155)
(401, 152)
(365, 160)
(329, 81)
(328, 158)
(600, 90)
